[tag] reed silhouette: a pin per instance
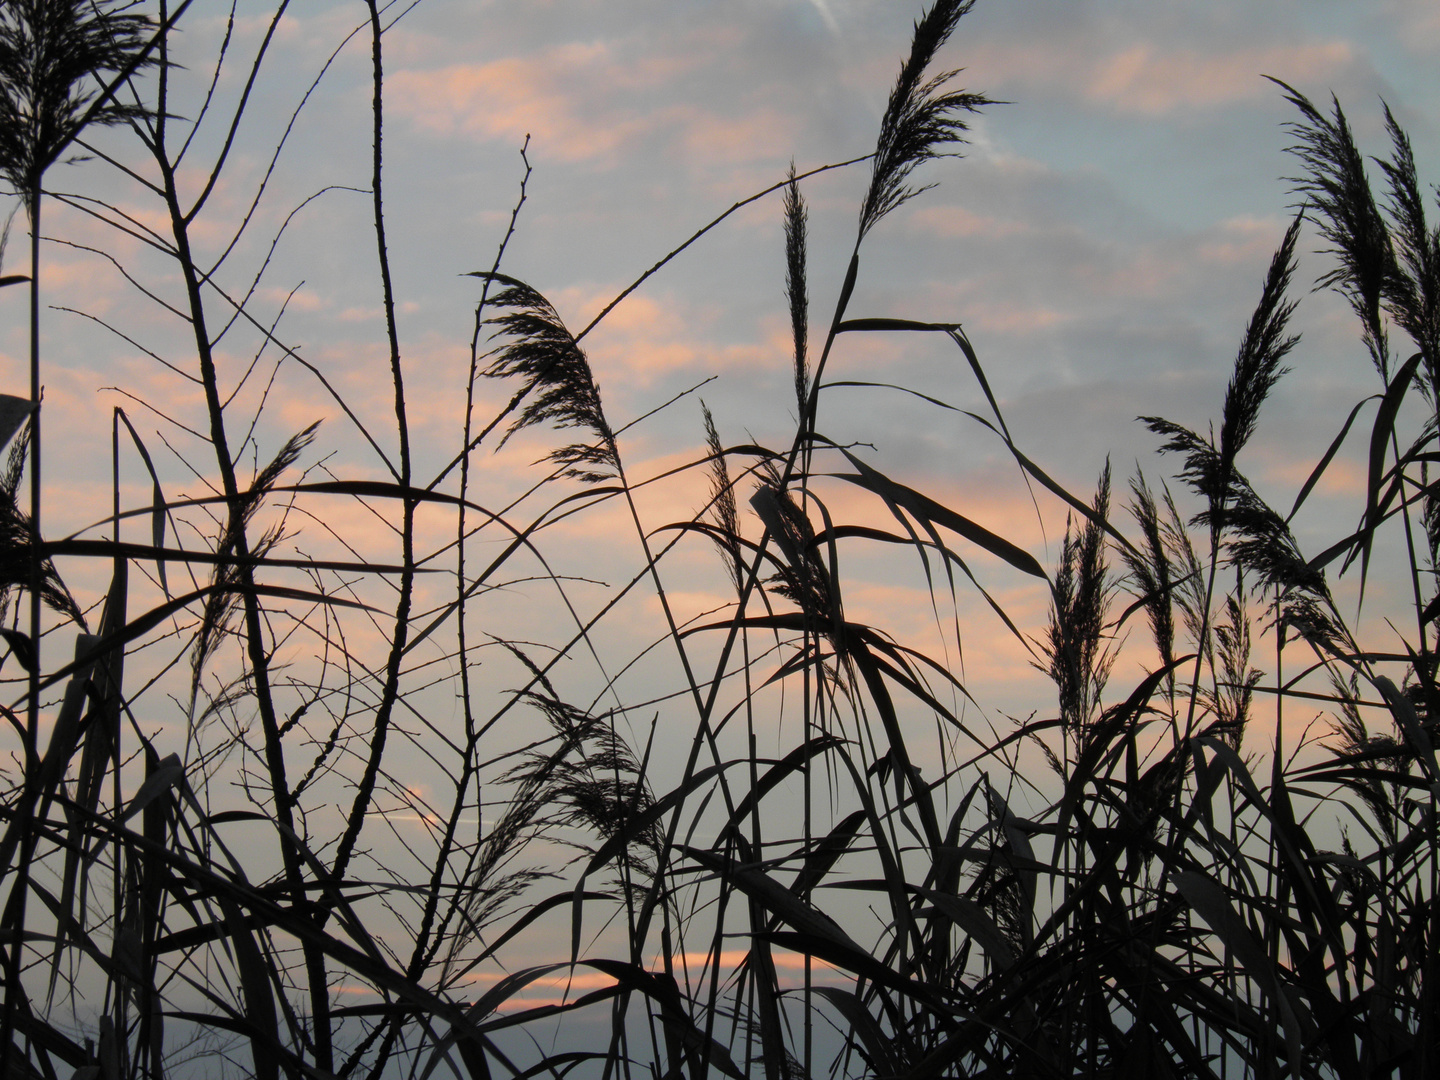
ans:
(309, 870)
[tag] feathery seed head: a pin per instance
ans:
(722, 504)
(557, 379)
(921, 116)
(795, 288)
(1257, 366)
(54, 56)
(1336, 185)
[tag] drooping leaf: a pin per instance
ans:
(157, 498)
(930, 513)
(14, 411)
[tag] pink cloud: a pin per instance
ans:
(588, 101)
(564, 98)
(1153, 79)
(1005, 316)
(647, 337)
(1242, 241)
(956, 221)
(1421, 19)
(727, 140)
(512, 98)
(1149, 80)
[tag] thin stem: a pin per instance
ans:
(36, 560)
(366, 786)
(390, 693)
(425, 950)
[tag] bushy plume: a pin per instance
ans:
(1263, 546)
(1385, 760)
(599, 786)
(1079, 662)
(1152, 574)
(1430, 507)
(1315, 622)
(921, 116)
(795, 290)
(1264, 347)
(1336, 185)
(722, 504)
(587, 778)
(1201, 466)
(221, 604)
(1235, 689)
(1189, 592)
(998, 891)
(53, 54)
(1414, 290)
(803, 577)
(557, 379)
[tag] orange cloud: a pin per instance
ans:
(564, 985)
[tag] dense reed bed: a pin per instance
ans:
(310, 869)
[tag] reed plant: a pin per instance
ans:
(263, 886)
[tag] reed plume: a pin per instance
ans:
(1335, 184)
(53, 56)
(795, 289)
(921, 117)
(556, 377)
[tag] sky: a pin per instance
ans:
(1102, 240)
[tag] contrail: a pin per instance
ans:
(823, 7)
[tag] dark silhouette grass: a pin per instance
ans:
(278, 894)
